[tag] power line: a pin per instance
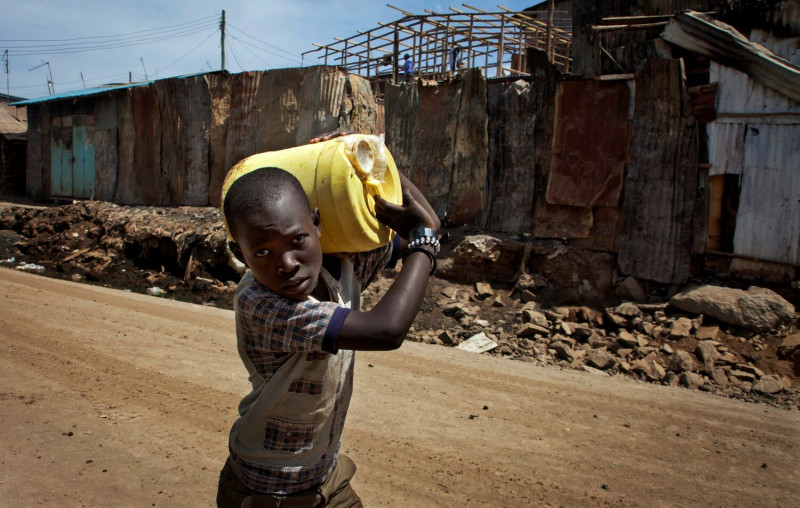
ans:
(262, 42)
(201, 20)
(236, 58)
(188, 52)
(63, 51)
(266, 50)
(251, 51)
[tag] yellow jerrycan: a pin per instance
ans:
(340, 177)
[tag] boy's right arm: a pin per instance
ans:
(386, 325)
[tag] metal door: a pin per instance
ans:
(72, 171)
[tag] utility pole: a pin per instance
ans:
(222, 37)
(83, 80)
(8, 76)
(145, 69)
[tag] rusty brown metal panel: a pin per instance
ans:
(320, 103)
(559, 221)
(401, 109)
(432, 155)
(605, 232)
(220, 100)
(467, 197)
(106, 148)
(145, 183)
(661, 184)
(125, 141)
(590, 145)
(172, 161)
(512, 118)
(105, 163)
(241, 125)
(278, 103)
(359, 112)
(35, 151)
(193, 104)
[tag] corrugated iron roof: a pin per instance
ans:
(9, 123)
(99, 90)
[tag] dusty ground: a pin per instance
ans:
(109, 395)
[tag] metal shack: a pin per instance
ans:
(13, 135)
(170, 142)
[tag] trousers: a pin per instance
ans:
(335, 492)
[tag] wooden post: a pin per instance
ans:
(470, 60)
(501, 46)
(222, 38)
(549, 44)
(396, 53)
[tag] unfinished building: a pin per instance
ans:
(639, 138)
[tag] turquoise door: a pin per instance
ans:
(72, 160)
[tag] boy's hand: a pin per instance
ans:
(403, 218)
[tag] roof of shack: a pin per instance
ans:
(87, 92)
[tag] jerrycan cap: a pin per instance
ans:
(367, 155)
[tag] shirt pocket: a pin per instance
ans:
(287, 436)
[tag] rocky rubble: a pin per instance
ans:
(540, 302)
(652, 342)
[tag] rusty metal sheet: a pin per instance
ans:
(125, 160)
(591, 142)
(559, 221)
(401, 111)
(279, 95)
(360, 109)
(320, 103)
(220, 101)
(661, 182)
(512, 118)
(466, 201)
(172, 160)
(605, 232)
(146, 179)
(193, 105)
(241, 123)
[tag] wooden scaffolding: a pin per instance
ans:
(439, 44)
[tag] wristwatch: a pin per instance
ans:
(421, 235)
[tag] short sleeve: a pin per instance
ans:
(270, 324)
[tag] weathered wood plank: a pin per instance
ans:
(511, 166)
(661, 183)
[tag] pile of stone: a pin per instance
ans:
(701, 339)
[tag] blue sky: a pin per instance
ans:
(263, 34)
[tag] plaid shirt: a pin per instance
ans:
(287, 436)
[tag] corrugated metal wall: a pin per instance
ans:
(757, 135)
(170, 142)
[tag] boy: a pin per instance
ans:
(298, 322)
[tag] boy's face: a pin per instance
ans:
(280, 244)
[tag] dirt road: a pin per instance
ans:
(108, 395)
